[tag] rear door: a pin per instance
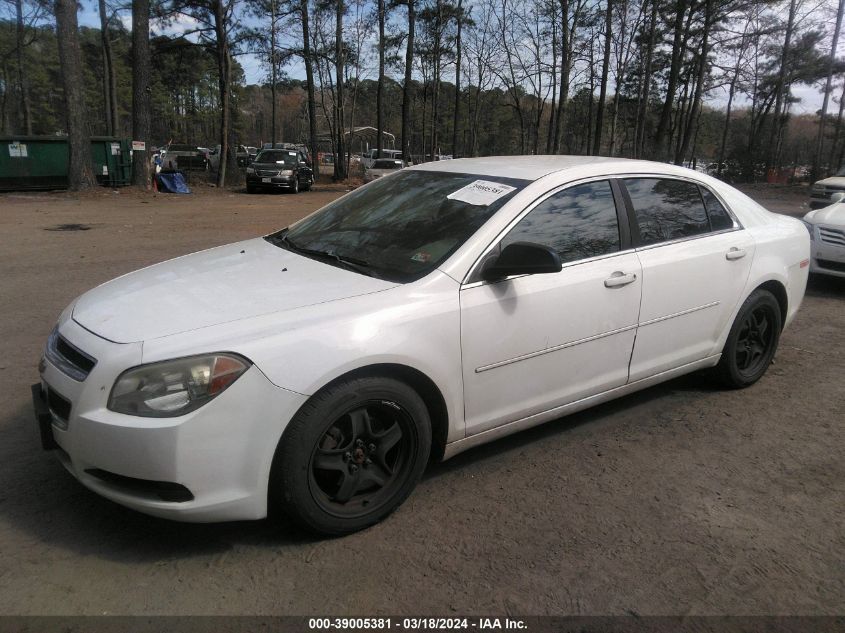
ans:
(695, 261)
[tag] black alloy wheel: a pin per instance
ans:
(351, 455)
(752, 341)
(360, 458)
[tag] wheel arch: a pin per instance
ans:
(421, 383)
(779, 291)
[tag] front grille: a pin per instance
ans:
(164, 490)
(265, 172)
(68, 358)
(59, 407)
(832, 236)
(830, 265)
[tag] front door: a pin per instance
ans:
(535, 342)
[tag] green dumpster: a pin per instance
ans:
(40, 162)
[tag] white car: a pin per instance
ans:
(382, 167)
(320, 367)
(823, 191)
(827, 232)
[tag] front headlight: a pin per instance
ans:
(810, 228)
(818, 187)
(250, 170)
(286, 172)
(175, 387)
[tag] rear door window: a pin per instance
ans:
(667, 209)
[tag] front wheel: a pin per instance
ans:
(351, 455)
(295, 188)
(752, 341)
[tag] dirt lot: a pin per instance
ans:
(678, 500)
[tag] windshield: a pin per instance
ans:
(841, 171)
(402, 227)
(277, 156)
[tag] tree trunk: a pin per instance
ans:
(723, 145)
(817, 158)
(141, 116)
(80, 174)
(380, 89)
(836, 131)
(309, 80)
(223, 80)
(339, 162)
(273, 135)
(457, 113)
(639, 133)
(659, 150)
(406, 87)
(565, 63)
(605, 67)
(553, 105)
(26, 111)
(692, 120)
(777, 122)
(109, 78)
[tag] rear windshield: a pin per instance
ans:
(403, 227)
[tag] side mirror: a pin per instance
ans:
(839, 196)
(522, 258)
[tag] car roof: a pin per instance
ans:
(535, 167)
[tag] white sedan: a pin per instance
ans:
(827, 232)
(321, 367)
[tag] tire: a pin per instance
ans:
(351, 455)
(752, 341)
(295, 188)
(251, 189)
(309, 185)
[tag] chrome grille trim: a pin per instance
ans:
(73, 362)
(832, 236)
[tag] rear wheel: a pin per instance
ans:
(351, 455)
(752, 341)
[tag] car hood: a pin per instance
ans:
(833, 215)
(220, 285)
(833, 181)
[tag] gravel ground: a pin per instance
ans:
(681, 499)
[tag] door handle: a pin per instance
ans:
(735, 253)
(619, 279)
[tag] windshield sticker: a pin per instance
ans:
(481, 192)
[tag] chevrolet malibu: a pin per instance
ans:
(318, 369)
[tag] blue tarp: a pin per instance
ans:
(172, 182)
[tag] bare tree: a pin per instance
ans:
(308, 61)
(817, 156)
(109, 75)
(141, 115)
(406, 85)
(608, 25)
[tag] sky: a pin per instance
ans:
(810, 97)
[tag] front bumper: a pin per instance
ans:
(212, 464)
(827, 254)
(278, 182)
